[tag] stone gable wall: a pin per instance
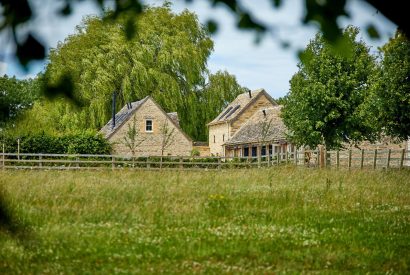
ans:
(260, 103)
(151, 146)
(218, 130)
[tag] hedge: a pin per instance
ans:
(84, 143)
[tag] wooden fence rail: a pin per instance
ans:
(358, 159)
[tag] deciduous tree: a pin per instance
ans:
(325, 104)
(392, 88)
(132, 138)
(16, 96)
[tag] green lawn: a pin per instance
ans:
(238, 221)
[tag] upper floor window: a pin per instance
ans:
(223, 137)
(214, 138)
(148, 125)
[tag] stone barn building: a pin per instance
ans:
(262, 134)
(153, 125)
(226, 136)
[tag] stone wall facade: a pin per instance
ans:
(180, 144)
(222, 132)
(261, 103)
(218, 134)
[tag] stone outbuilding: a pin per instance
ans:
(224, 127)
(262, 133)
(156, 132)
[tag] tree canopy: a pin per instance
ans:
(16, 96)
(166, 59)
(391, 102)
(327, 97)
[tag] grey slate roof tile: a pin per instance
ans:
(235, 107)
(120, 118)
(252, 131)
(125, 113)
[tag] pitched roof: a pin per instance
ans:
(261, 128)
(238, 105)
(121, 117)
(174, 117)
(125, 113)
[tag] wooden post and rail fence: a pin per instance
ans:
(347, 159)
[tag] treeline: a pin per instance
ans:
(166, 59)
(345, 97)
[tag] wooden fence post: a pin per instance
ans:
(278, 158)
(287, 156)
(148, 164)
(350, 159)
(18, 149)
(337, 159)
(295, 155)
(268, 153)
(77, 162)
(375, 159)
(362, 159)
(388, 159)
(3, 158)
(113, 163)
(219, 163)
(181, 165)
(403, 151)
(321, 156)
(40, 157)
(258, 152)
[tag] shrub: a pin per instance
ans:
(195, 153)
(82, 143)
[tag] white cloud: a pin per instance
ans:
(3, 68)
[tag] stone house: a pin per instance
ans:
(234, 132)
(262, 133)
(153, 126)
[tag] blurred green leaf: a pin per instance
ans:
(66, 10)
(29, 50)
(372, 31)
(212, 26)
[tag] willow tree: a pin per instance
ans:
(167, 59)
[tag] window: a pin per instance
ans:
(148, 125)
(223, 137)
(214, 138)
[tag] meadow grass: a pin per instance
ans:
(259, 221)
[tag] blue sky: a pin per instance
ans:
(264, 65)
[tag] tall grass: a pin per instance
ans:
(244, 221)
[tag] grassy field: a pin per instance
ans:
(245, 221)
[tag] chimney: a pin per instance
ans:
(264, 112)
(113, 110)
(250, 93)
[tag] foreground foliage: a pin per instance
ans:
(261, 221)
